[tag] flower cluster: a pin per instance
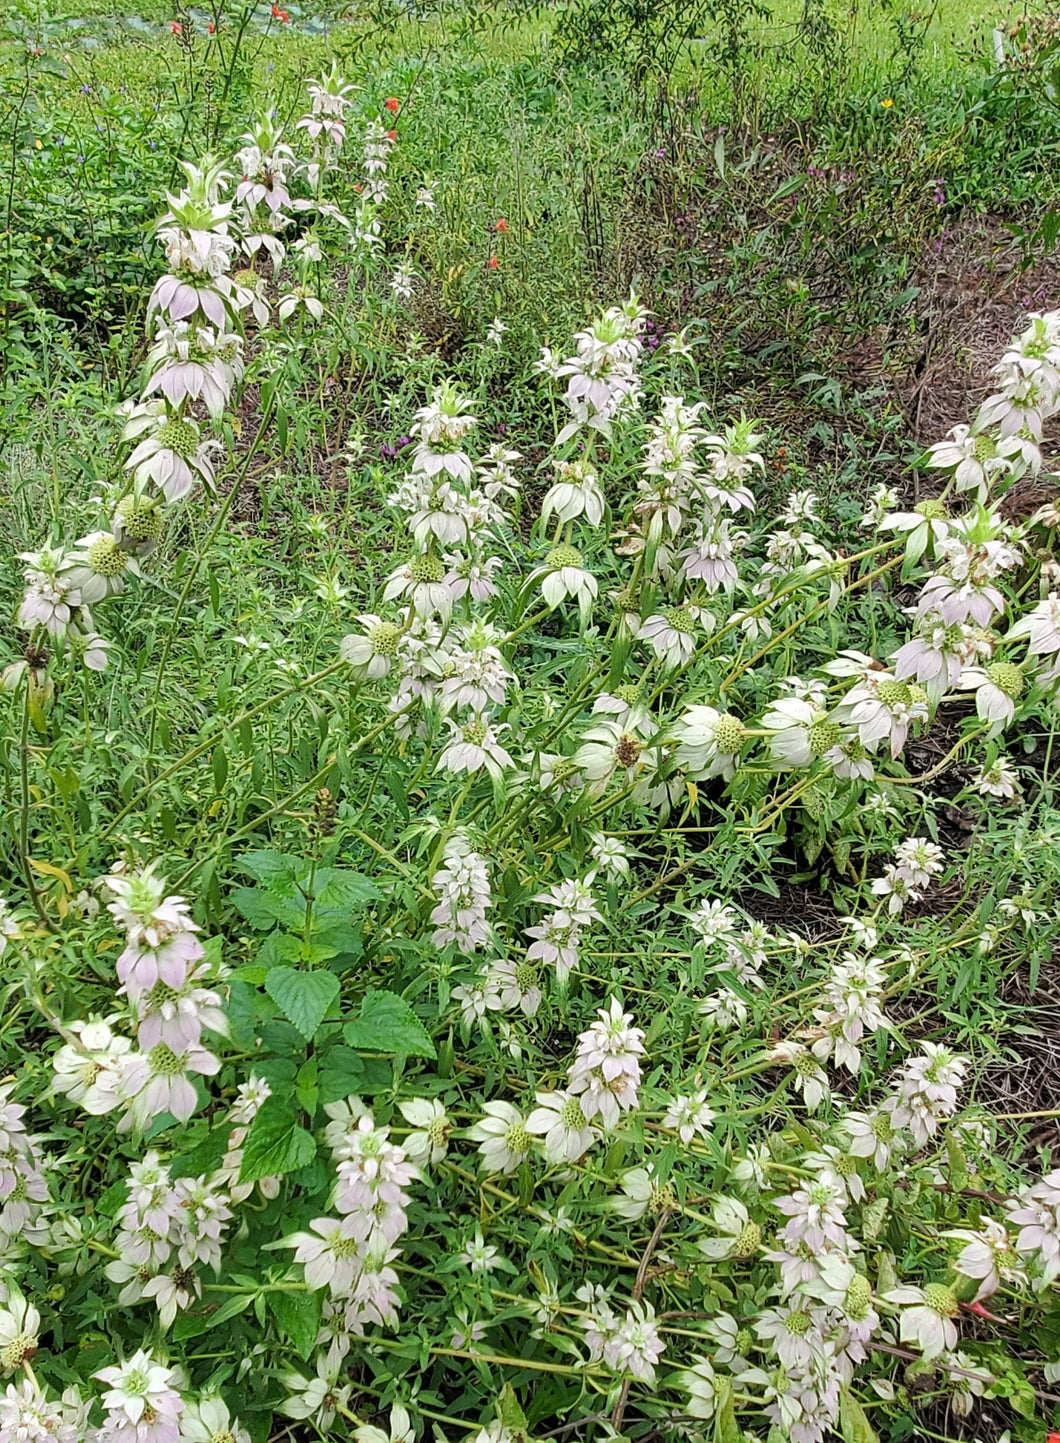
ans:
(168, 1228)
(163, 973)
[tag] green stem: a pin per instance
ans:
(197, 751)
(200, 556)
(23, 817)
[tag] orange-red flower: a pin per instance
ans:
(492, 263)
(502, 225)
(210, 27)
(392, 105)
(391, 135)
(280, 15)
(175, 28)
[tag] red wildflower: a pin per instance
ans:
(392, 105)
(280, 15)
(175, 28)
(502, 225)
(210, 27)
(391, 135)
(492, 263)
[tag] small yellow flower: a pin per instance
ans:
(887, 103)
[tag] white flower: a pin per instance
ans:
(689, 1116)
(715, 921)
(480, 1256)
(882, 709)
(613, 745)
(401, 1430)
(576, 492)
(927, 1319)
(872, 1134)
(610, 855)
(402, 282)
(477, 1000)
(318, 1398)
(563, 574)
(725, 1009)
(998, 779)
(801, 731)
(88, 1073)
(560, 1120)
(698, 1381)
(740, 1235)
(472, 746)
(997, 689)
(463, 886)
(635, 1347)
(920, 859)
(1037, 1215)
(330, 1253)
(504, 1140)
(896, 886)
(882, 500)
(19, 1326)
(709, 742)
(671, 635)
(795, 1334)
(142, 1385)
(28, 1416)
(429, 1143)
(988, 1256)
(639, 1192)
(606, 1071)
(809, 1076)
(371, 654)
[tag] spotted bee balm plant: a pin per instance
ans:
(491, 1103)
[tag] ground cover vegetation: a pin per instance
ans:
(530, 646)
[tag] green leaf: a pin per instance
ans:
(276, 871)
(341, 1072)
(241, 1013)
(303, 997)
(276, 1143)
(726, 1429)
(187, 1325)
(263, 909)
(388, 1024)
(204, 1157)
(281, 947)
(334, 887)
(298, 1315)
(854, 1424)
(230, 1308)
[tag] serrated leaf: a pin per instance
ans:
(263, 909)
(278, 871)
(303, 997)
(298, 1315)
(341, 1073)
(204, 1157)
(335, 887)
(388, 1024)
(275, 1143)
